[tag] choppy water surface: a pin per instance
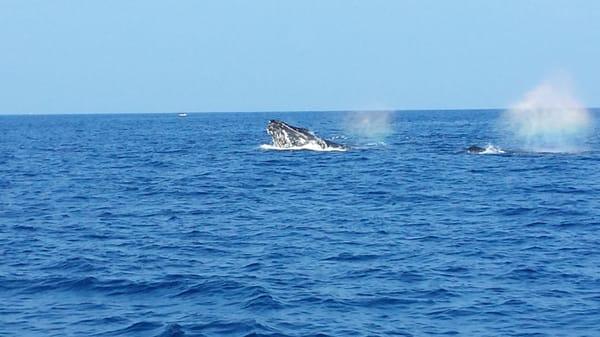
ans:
(154, 225)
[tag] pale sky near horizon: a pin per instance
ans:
(164, 56)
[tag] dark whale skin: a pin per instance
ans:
(475, 149)
(287, 136)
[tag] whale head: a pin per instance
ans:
(288, 136)
(475, 149)
(285, 135)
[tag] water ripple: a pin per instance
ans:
(153, 225)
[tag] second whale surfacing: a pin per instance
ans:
(489, 149)
(286, 136)
(475, 149)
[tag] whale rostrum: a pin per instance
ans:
(288, 136)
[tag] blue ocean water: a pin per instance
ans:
(154, 225)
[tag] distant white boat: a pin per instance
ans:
(182, 114)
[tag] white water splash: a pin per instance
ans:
(549, 118)
(310, 147)
(491, 149)
(373, 125)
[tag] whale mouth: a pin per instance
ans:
(286, 136)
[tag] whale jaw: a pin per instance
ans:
(287, 136)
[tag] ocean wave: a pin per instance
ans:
(370, 145)
(263, 302)
(352, 257)
(134, 329)
(386, 301)
(223, 287)
(76, 264)
(247, 327)
(113, 287)
(172, 330)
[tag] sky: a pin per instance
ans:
(271, 55)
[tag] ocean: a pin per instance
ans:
(159, 225)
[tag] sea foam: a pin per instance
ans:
(308, 147)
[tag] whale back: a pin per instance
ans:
(475, 149)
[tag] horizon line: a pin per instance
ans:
(252, 111)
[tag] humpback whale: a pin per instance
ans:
(475, 149)
(287, 136)
(489, 149)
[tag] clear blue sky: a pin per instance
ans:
(152, 56)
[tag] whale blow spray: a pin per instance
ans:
(549, 119)
(370, 125)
